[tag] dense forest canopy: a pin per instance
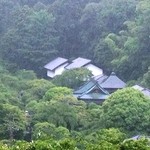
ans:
(114, 34)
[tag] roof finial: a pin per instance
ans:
(113, 73)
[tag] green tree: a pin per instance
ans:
(46, 131)
(141, 144)
(6, 9)
(43, 131)
(128, 110)
(35, 90)
(103, 55)
(4, 147)
(66, 111)
(111, 135)
(146, 79)
(130, 46)
(101, 18)
(13, 122)
(26, 74)
(73, 78)
(56, 93)
(67, 26)
(32, 41)
(64, 116)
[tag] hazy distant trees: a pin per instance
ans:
(115, 35)
(32, 41)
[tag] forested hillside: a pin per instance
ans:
(114, 34)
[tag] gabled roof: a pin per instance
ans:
(145, 91)
(77, 63)
(97, 87)
(52, 65)
(112, 82)
(95, 92)
(102, 81)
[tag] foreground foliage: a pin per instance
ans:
(49, 117)
(70, 144)
(128, 110)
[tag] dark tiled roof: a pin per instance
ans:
(77, 63)
(102, 81)
(95, 92)
(96, 88)
(85, 87)
(112, 82)
(55, 63)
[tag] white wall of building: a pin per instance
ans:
(50, 73)
(95, 70)
(57, 71)
(60, 69)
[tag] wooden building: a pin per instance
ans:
(99, 88)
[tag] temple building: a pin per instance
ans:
(99, 88)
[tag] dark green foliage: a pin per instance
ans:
(59, 112)
(146, 79)
(12, 122)
(36, 89)
(131, 44)
(26, 75)
(46, 130)
(56, 120)
(111, 135)
(32, 41)
(6, 9)
(114, 34)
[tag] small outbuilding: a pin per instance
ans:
(58, 65)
